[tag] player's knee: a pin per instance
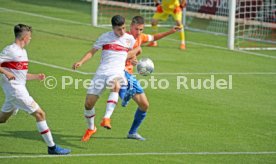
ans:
(178, 23)
(88, 105)
(154, 22)
(116, 89)
(39, 115)
(144, 106)
(4, 118)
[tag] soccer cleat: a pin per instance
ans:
(106, 123)
(88, 134)
(15, 112)
(129, 94)
(136, 136)
(58, 151)
(153, 44)
(182, 46)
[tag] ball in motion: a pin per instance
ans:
(145, 66)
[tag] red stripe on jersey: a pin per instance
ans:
(115, 47)
(16, 65)
(112, 101)
(45, 131)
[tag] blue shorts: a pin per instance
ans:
(133, 84)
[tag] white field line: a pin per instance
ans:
(164, 74)
(140, 154)
(61, 68)
(43, 16)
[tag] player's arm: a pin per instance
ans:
(164, 34)
(8, 74)
(85, 58)
(40, 76)
(132, 53)
(134, 61)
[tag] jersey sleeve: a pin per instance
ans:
(146, 38)
(100, 42)
(132, 42)
(5, 55)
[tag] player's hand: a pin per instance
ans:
(139, 51)
(157, 3)
(176, 28)
(134, 61)
(182, 6)
(76, 65)
(10, 76)
(41, 76)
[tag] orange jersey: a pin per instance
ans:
(143, 38)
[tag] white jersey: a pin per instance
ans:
(114, 52)
(15, 60)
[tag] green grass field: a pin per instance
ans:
(235, 125)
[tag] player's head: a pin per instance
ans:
(23, 33)
(118, 25)
(137, 26)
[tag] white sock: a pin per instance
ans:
(111, 104)
(90, 116)
(45, 132)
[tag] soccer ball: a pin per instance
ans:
(145, 66)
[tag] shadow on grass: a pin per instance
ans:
(35, 136)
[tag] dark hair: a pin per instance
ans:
(138, 20)
(117, 20)
(20, 29)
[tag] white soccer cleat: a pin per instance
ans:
(135, 136)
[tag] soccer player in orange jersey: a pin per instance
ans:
(163, 10)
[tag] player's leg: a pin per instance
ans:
(158, 15)
(89, 114)
(4, 116)
(89, 111)
(132, 84)
(139, 116)
(7, 111)
(111, 104)
(93, 93)
(114, 83)
(25, 102)
(178, 19)
(154, 28)
(44, 130)
(8, 107)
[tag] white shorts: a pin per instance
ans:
(18, 97)
(100, 82)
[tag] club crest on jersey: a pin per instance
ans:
(128, 42)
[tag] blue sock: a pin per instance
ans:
(138, 119)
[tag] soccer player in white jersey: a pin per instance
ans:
(115, 46)
(13, 76)
(134, 89)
